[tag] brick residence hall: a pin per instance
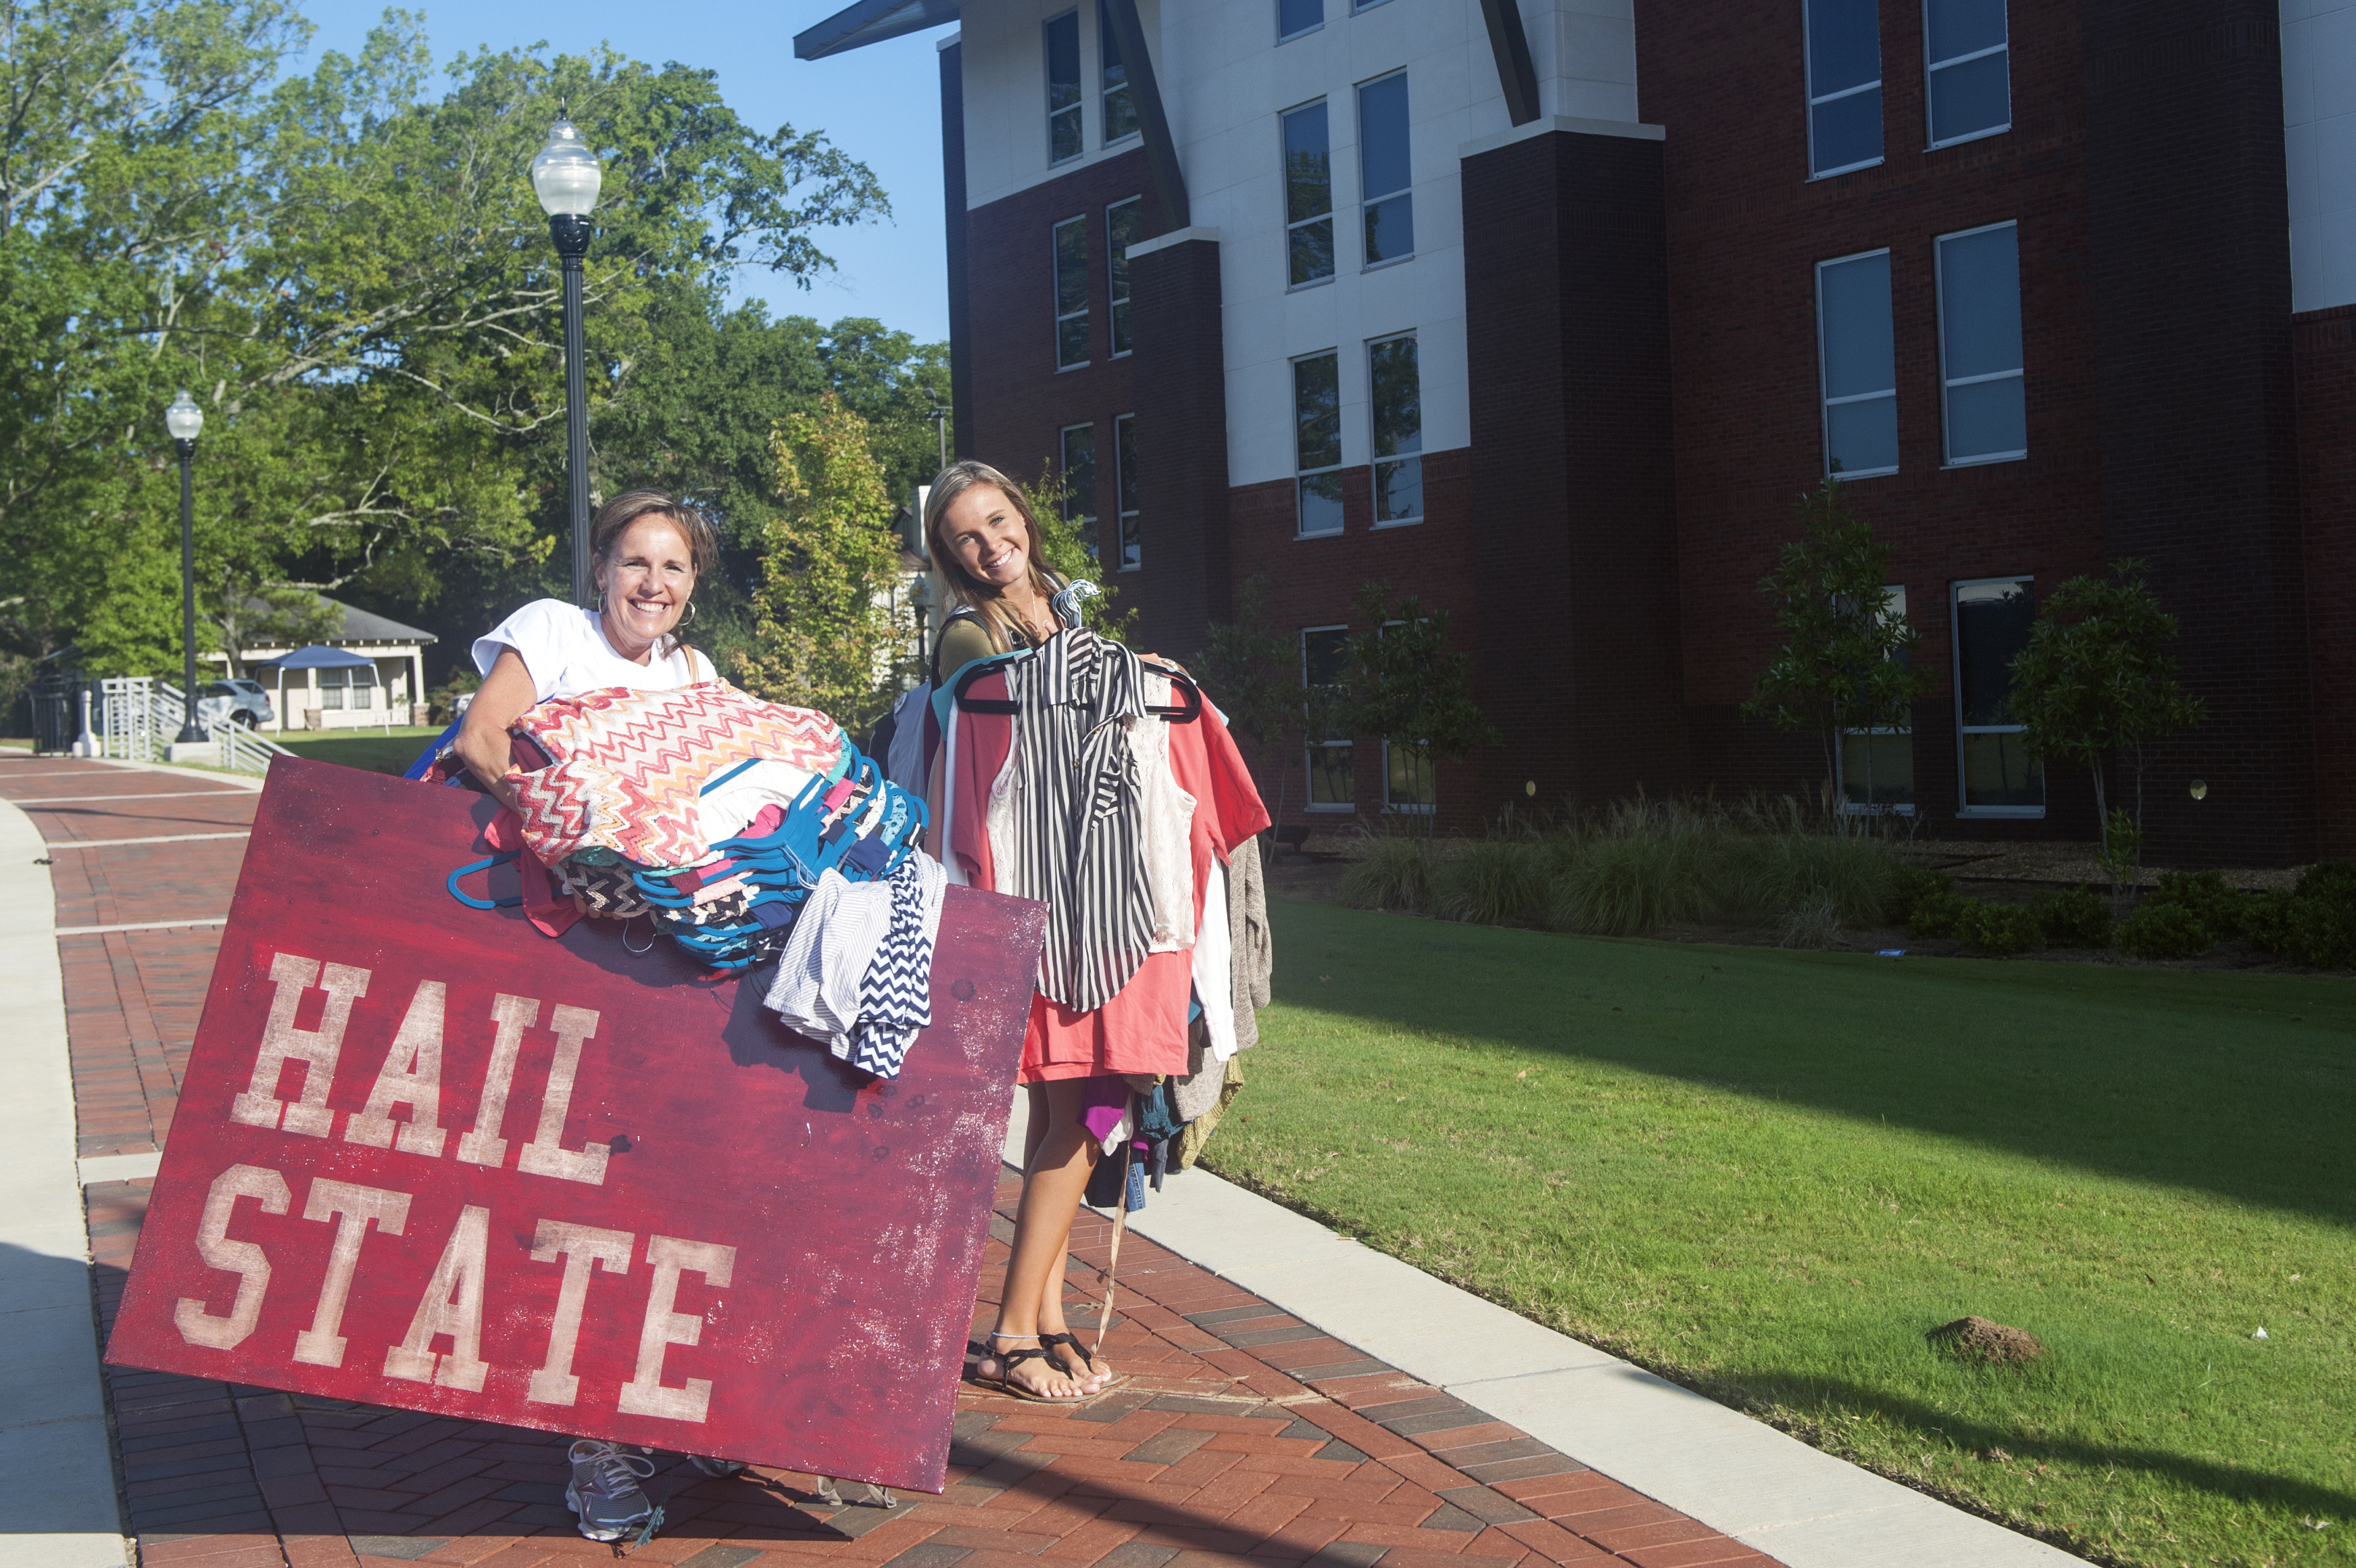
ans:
(1548, 312)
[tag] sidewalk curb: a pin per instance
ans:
(53, 1423)
(1741, 1477)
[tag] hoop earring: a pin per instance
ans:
(690, 617)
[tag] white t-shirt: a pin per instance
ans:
(563, 647)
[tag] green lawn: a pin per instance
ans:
(1766, 1173)
(371, 750)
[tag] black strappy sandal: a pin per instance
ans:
(1004, 1382)
(1086, 1359)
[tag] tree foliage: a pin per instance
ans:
(2095, 682)
(824, 632)
(1407, 685)
(1253, 671)
(349, 270)
(1846, 660)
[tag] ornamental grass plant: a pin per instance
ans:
(1641, 865)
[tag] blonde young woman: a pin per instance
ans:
(986, 545)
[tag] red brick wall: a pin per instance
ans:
(1745, 230)
(2323, 346)
(1315, 581)
(1021, 402)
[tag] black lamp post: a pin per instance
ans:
(566, 176)
(186, 421)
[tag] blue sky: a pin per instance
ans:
(881, 104)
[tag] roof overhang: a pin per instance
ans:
(872, 22)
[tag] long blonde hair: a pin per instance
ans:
(987, 602)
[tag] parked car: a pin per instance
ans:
(240, 701)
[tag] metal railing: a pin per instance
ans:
(139, 718)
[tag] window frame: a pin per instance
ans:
(1310, 746)
(1284, 38)
(1089, 534)
(1825, 402)
(1104, 40)
(1284, 194)
(1939, 309)
(1849, 808)
(1078, 108)
(1055, 292)
(1807, 76)
(1124, 488)
(1341, 461)
(1116, 269)
(1931, 68)
(1964, 808)
(1367, 201)
(1378, 462)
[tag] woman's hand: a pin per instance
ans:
(482, 743)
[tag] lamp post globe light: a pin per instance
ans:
(186, 422)
(565, 177)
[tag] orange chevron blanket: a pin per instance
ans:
(629, 766)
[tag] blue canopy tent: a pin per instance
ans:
(319, 656)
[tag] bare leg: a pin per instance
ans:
(1062, 1154)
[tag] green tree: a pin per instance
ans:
(2094, 683)
(352, 276)
(1253, 671)
(1846, 660)
(1410, 688)
(825, 637)
(1072, 551)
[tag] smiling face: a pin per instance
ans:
(982, 533)
(647, 576)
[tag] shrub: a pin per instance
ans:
(2204, 893)
(2314, 925)
(2072, 918)
(1764, 879)
(1816, 925)
(1939, 914)
(1495, 882)
(1395, 873)
(2164, 931)
(2002, 930)
(1909, 885)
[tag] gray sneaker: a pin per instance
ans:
(718, 1469)
(604, 1489)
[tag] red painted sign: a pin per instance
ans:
(425, 1156)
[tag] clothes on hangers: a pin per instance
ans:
(627, 767)
(1081, 849)
(1168, 814)
(835, 937)
(1251, 945)
(896, 996)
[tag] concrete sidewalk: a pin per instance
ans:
(1299, 1401)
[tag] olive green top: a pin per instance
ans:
(966, 638)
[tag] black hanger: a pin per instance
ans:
(1185, 713)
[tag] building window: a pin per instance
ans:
(1120, 108)
(359, 680)
(1384, 177)
(1124, 227)
(1294, 18)
(1397, 404)
(1979, 343)
(1858, 364)
(1991, 622)
(1071, 293)
(1324, 674)
(1317, 441)
(1844, 84)
(1064, 87)
(1970, 62)
(1877, 765)
(1308, 195)
(1124, 457)
(331, 688)
(1080, 452)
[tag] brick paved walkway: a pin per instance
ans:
(1244, 1435)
